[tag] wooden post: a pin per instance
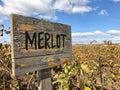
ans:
(44, 79)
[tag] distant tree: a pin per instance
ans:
(105, 42)
(93, 41)
(109, 42)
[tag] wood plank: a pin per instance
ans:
(24, 65)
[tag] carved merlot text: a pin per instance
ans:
(41, 40)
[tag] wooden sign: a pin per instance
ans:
(38, 44)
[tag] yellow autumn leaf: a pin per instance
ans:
(85, 68)
(87, 88)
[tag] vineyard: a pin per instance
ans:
(94, 67)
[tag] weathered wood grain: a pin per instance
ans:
(44, 80)
(38, 44)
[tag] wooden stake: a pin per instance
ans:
(44, 80)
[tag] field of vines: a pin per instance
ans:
(94, 67)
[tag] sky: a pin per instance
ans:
(89, 19)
